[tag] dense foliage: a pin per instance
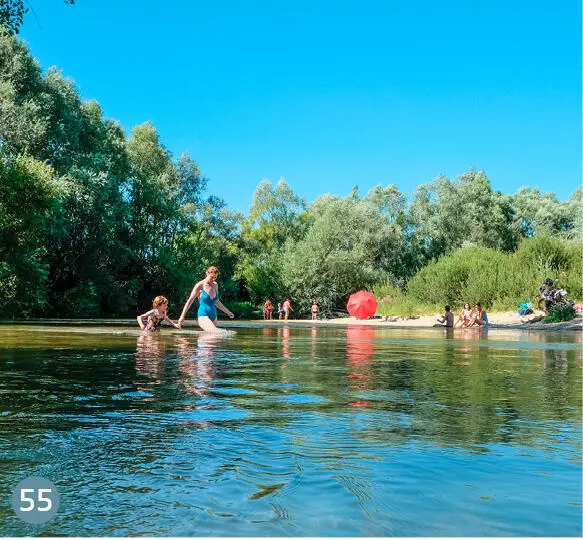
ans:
(561, 313)
(96, 223)
(495, 278)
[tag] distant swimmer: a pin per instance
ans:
(207, 292)
(156, 316)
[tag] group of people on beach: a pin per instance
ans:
(207, 292)
(284, 310)
(468, 317)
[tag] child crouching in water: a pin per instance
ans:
(446, 320)
(156, 316)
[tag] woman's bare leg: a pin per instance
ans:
(207, 325)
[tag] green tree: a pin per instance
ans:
(397, 255)
(575, 209)
(448, 214)
(338, 255)
(29, 218)
(542, 213)
(275, 217)
(12, 14)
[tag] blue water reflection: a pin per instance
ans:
(283, 431)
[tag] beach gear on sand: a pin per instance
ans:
(362, 305)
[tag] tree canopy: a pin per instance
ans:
(94, 222)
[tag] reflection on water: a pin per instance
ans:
(196, 364)
(150, 357)
(295, 431)
(360, 351)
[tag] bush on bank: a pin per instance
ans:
(496, 279)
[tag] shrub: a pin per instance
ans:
(390, 298)
(546, 256)
(472, 274)
(244, 310)
(495, 278)
(561, 313)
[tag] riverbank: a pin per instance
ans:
(506, 320)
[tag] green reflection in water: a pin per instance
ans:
(303, 431)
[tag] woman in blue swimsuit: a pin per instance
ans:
(207, 292)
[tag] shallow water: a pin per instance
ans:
(294, 431)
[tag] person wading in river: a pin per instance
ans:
(207, 292)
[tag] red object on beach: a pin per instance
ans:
(362, 305)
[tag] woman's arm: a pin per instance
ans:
(194, 294)
(224, 309)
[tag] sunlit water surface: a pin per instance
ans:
(294, 431)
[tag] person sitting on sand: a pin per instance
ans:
(156, 316)
(465, 316)
(480, 317)
(446, 320)
(207, 292)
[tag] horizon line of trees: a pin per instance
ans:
(94, 223)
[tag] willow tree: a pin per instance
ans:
(339, 254)
(275, 217)
(449, 214)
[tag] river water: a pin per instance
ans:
(298, 431)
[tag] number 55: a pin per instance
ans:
(30, 507)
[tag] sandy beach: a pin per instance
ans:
(505, 319)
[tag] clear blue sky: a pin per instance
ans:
(333, 94)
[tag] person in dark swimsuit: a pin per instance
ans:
(207, 291)
(156, 316)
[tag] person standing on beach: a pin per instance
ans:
(207, 292)
(315, 310)
(286, 309)
(267, 310)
